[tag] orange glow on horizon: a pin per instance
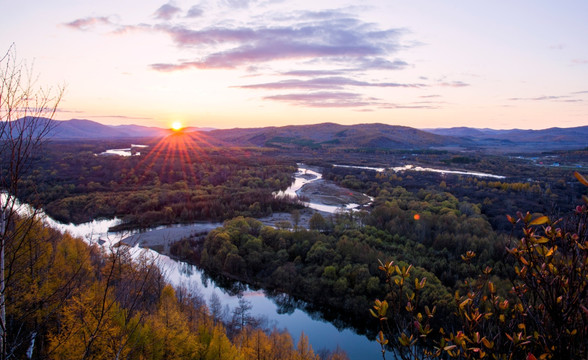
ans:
(177, 126)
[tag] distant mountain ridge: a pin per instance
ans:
(331, 135)
(546, 139)
(87, 129)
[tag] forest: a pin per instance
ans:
(170, 184)
(69, 300)
(429, 238)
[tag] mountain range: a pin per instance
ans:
(331, 135)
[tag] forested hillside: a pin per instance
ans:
(69, 300)
(173, 182)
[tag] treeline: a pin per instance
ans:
(172, 182)
(335, 264)
(543, 190)
(67, 300)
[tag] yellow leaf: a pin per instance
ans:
(464, 303)
(542, 240)
(581, 178)
(540, 220)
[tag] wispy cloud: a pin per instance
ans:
(580, 61)
(336, 99)
(312, 73)
(570, 100)
(325, 99)
(539, 98)
(88, 23)
(410, 106)
(333, 83)
(123, 117)
(167, 12)
(454, 84)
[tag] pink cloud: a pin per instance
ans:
(336, 82)
(89, 22)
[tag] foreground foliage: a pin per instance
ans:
(545, 315)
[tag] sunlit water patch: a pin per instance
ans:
(420, 168)
(132, 151)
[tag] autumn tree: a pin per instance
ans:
(25, 113)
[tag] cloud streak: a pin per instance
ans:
(539, 98)
(88, 23)
(333, 83)
(455, 84)
(324, 99)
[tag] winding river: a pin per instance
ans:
(321, 334)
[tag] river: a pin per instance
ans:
(321, 334)
(426, 169)
(304, 176)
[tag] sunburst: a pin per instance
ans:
(177, 126)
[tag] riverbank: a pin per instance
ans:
(160, 239)
(324, 197)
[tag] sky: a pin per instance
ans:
(253, 63)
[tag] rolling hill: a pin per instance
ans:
(331, 135)
(369, 136)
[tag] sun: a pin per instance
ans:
(177, 126)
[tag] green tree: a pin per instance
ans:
(545, 316)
